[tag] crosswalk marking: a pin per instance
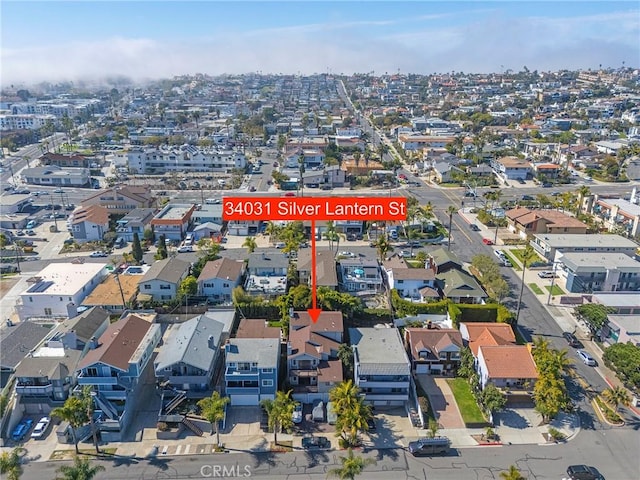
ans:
(178, 450)
(187, 448)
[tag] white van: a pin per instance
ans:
(188, 239)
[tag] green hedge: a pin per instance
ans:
(465, 312)
(405, 308)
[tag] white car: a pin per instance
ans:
(297, 414)
(185, 249)
(586, 358)
(98, 254)
(41, 428)
(348, 254)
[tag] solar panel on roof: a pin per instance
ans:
(40, 287)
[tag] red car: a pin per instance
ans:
(486, 241)
(289, 194)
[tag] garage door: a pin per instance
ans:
(239, 400)
(422, 368)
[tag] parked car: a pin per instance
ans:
(280, 245)
(31, 224)
(506, 262)
(487, 241)
(21, 430)
(315, 443)
(547, 274)
(527, 198)
(347, 254)
(499, 253)
(521, 181)
(185, 248)
(41, 428)
(297, 414)
(429, 446)
(571, 339)
(252, 188)
(31, 233)
(20, 233)
(318, 411)
(586, 358)
(98, 254)
(583, 472)
(58, 190)
(290, 194)
(474, 227)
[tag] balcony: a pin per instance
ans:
(231, 371)
(45, 390)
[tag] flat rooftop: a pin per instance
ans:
(624, 205)
(596, 240)
(603, 261)
(63, 278)
(174, 212)
(378, 345)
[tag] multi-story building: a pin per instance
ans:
(527, 222)
(55, 176)
(267, 273)
(512, 168)
(251, 369)
(433, 350)
(549, 244)
(89, 224)
(173, 220)
(59, 289)
(136, 221)
(360, 275)
(120, 200)
(616, 213)
(218, 278)
(382, 369)
(599, 272)
(162, 280)
(183, 159)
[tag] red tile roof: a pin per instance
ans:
(509, 361)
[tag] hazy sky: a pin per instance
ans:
(53, 40)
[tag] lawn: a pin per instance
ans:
(466, 402)
(517, 252)
(508, 254)
(556, 290)
(536, 289)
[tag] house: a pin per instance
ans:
(115, 293)
(67, 160)
(208, 230)
(122, 199)
(382, 369)
(326, 274)
(547, 170)
(55, 176)
(313, 367)
(433, 350)
(17, 341)
(191, 354)
(76, 333)
(360, 275)
(460, 287)
(162, 280)
(136, 221)
(173, 220)
(89, 224)
(243, 228)
(59, 289)
(621, 303)
(13, 210)
(587, 272)
(267, 273)
(442, 260)
(526, 222)
(548, 245)
(208, 212)
(443, 172)
(512, 168)
(407, 281)
(509, 367)
(477, 334)
(114, 367)
(43, 382)
(251, 369)
(622, 329)
(218, 278)
(616, 214)
(257, 328)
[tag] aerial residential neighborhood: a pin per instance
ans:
(503, 311)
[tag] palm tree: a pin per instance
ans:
(351, 466)
(80, 470)
(212, 408)
(73, 411)
(512, 474)
(583, 192)
(451, 209)
(425, 212)
(383, 246)
(273, 231)
(412, 236)
(617, 396)
(527, 257)
(561, 361)
(353, 415)
(331, 234)
(280, 412)
(10, 463)
(250, 243)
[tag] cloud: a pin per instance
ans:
(419, 45)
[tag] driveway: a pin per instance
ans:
(441, 400)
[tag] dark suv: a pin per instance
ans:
(583, 472)
(571, 339)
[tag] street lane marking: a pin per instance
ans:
(178, 450)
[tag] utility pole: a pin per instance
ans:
(124, 302)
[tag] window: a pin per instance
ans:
(47, 311)
(267, 370)
(147, 287)
(92, 372)
(267, 383)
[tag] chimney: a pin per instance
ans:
(72, 310)
(210, 342)
(93, 343)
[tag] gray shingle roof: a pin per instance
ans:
(264, 351)
(457, 283)
(54, 368)
(17, 341)
(189, 343)
(86, 324)
(379, 351)
(169, 270)
(268, 259)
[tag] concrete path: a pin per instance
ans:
(441, 400)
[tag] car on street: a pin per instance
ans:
(429, 446)
(521, 181)
(98, 254)
(546, 185)
(315, 443)
(185, 249)
(31, 224)
(499, 253)
(571, 339)
(406, 254)
(527, 198)
(586, 358)
(297, 414)
(347, 254)
(252, 188)
(21, 430)
(583, 472)
(275, 164)
(280, 245)
(290, 194)
(41, 428)
(487, 241)
(58, 190)
(474, 227)
(556, 194)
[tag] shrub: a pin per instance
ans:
(556, 435)
(162, 427)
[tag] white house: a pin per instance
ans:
(59, 289)
(89, 224)
(162, 280)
